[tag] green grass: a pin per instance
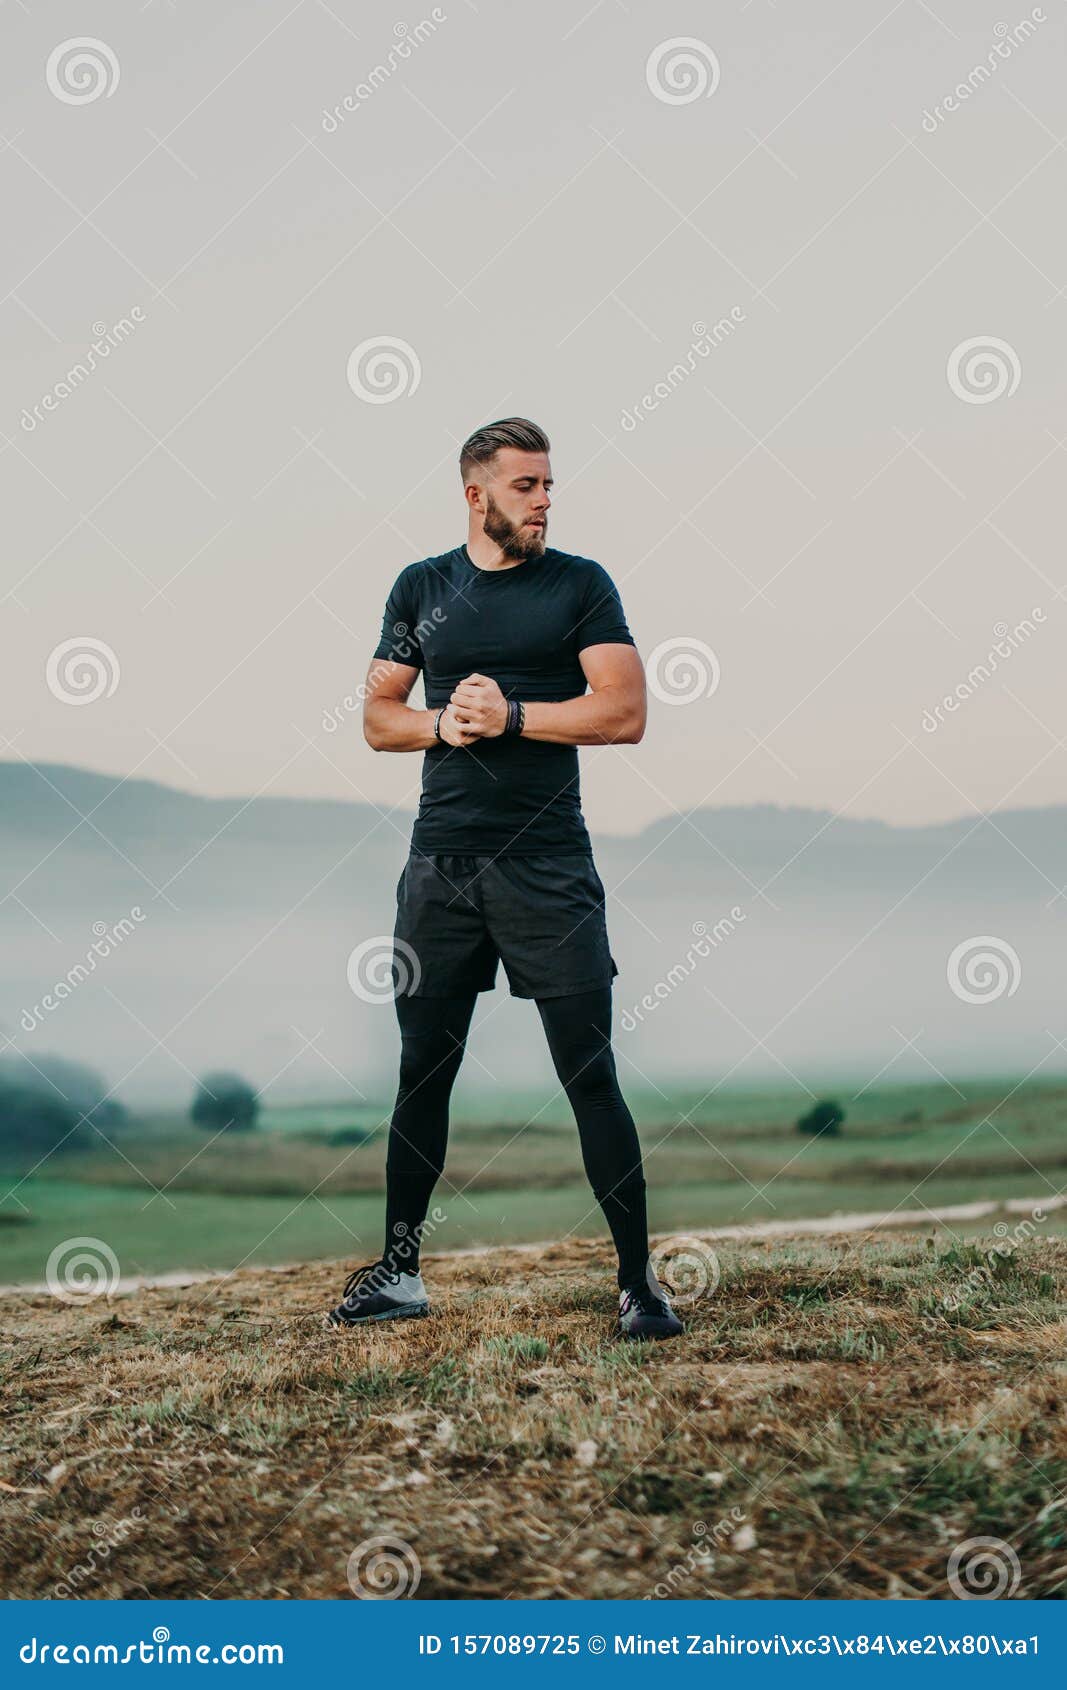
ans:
(284, 1193)
(198, 1231)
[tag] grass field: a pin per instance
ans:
(165, 1196)
(840, 1416)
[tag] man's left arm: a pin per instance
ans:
(612, 713)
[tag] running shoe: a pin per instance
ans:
(376, 1292)
(644, 1312)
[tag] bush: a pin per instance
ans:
(81, 1087)
(350, 1135)
(34, 1122)
(823, 1121)
(49, 1104)
(225, 1102)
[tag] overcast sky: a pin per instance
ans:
(828, 518)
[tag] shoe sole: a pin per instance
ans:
(648, 1337)
(414, 1311)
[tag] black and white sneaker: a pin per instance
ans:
(376, 1292)
(644, 1311)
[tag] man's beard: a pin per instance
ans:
(514, 540)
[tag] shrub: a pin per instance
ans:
(34, 1122)
(225, 1101)
(823, 1119)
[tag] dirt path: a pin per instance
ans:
(874, 1220)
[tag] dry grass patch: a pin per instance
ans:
(829, 1426)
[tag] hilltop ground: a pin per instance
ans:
(840, 1416)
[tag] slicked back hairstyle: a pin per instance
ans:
(486, 442)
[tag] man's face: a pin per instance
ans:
(517, 502)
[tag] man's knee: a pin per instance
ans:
(588, 1074)
(428, 1054)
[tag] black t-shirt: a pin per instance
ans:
(523, 626)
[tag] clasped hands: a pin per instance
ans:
(476, 710)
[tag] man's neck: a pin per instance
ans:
(486, 554)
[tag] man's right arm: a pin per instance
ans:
(390, 723)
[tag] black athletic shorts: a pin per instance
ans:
(458, 916)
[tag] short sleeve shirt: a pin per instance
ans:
(525, 626)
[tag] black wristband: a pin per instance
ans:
(437, 724)
(516, 717)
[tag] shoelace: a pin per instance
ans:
(355, 1280)
(645, 1302)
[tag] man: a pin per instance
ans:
(508, 634)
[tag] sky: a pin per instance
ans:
(321, 244)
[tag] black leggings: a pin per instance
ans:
(433, 1037)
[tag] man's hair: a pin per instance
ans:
(486, 442)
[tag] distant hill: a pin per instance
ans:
(250, 909)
